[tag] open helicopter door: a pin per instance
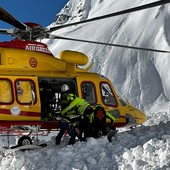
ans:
(51, 95)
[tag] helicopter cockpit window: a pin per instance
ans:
(5, 92)
(88, 92)
(25, 91)
(107, 95)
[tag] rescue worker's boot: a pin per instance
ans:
(57, 140)
(59, 136)
(63, 128)
(111, 134)
(72, 134)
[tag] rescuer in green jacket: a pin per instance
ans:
(82, 109)
(74, 115)
(65, 121)
(81, 105)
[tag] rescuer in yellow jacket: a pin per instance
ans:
(74, 114)
(82, 111)
(82, 106)
(65, 120)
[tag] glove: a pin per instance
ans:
(112, 126)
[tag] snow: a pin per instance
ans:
(142, 77)
(144, 147)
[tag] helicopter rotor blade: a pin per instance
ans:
(8, 18)
(130, 10)
(7, 31)
(109, 44)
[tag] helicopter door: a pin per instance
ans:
(26, 94)
(51, 96)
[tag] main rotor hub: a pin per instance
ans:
(33, 32)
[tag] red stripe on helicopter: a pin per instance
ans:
(22, 113)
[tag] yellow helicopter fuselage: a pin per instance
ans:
(22, 74)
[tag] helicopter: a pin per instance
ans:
(27, 66)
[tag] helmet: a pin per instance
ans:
(65, 88)
(97, 106)
(71, 96)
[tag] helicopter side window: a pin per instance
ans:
(5, 92)
(107, 95)
(25, 91)
(88, 92)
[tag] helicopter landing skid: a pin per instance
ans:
(27, 134)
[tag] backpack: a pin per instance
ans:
(99, 121)
(99, 114)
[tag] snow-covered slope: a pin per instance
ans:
(141, 76)
(144, 148)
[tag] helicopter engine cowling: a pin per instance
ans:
(73, 57)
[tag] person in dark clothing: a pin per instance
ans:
(65, 90)
(98, 123)
(47, 99)
(65, 126)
